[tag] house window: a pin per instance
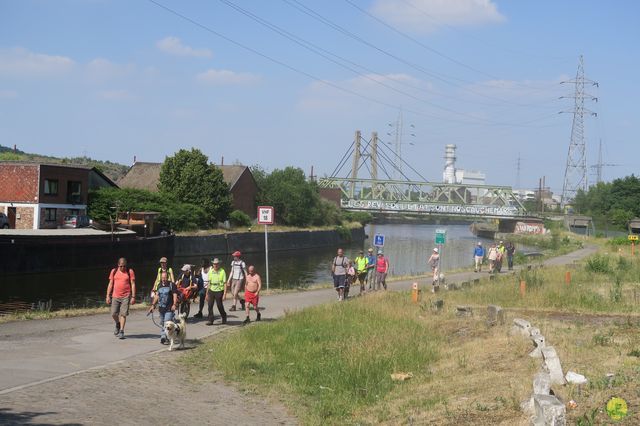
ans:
(74, 190)
(51, 187)
(50, 215)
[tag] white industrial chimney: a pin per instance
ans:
(449, 174)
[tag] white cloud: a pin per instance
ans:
(174, 46)
(116, 95)
(101, 69)
(227, 77)
(22, 62)
(425, 16)
(8, 94)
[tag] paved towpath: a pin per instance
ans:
(39, 351)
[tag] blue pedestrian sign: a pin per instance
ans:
(378, 240)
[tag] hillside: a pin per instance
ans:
(113, 170)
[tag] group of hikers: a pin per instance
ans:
(495, 254)
(369, 271)
(208, 283)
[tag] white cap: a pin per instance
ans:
(479, 243)
(435, 249)
(186, 268)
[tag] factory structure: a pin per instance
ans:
(453, 175)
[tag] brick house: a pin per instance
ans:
(241, 183)
(39, 196)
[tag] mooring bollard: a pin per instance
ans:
(415, 293)
(523, 287)
(567, 277)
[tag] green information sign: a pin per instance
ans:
(441, 236)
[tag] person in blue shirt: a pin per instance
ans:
(478, 256)
(371, 267)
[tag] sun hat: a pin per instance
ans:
(163, 260)
(236, 254)
(361, 251)
(186, 268)
(370, 250)
(216, 261)
(479, 243)
(435, 249)
(379, 252)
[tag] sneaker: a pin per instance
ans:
(209, 323)
(242, 304)
(258, 317)
(117, 330)
(163, 340)
(198, 315)
(121, 335)
(246, 321)
(224, 320)
(233, 308)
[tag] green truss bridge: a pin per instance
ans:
(386, 187)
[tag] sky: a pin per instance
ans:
(281, 83)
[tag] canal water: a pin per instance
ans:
(407, 246)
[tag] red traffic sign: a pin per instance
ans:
(265, 215)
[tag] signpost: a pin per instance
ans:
(633, 238)
(378, 240)
(265, 217)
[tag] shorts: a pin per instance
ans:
(362, 276)
(339, 281)
(120, 306)
(251, 297)
(236, 285)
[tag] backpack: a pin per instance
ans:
(343, 259)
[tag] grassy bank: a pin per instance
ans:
(604, 283)
(330, 361)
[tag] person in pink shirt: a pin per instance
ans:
(382, 268)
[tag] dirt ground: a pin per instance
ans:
(147, 390)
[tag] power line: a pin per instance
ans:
(441, 77)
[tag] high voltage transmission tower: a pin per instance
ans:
(575, 173)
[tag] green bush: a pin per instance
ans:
(239, 218)
(362, 217)
(598, 264)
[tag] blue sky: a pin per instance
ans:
(117, 79)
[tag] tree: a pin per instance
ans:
(188, 177)
(174, 214)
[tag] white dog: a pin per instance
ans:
(177, 332)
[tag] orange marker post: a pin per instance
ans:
(567, 277)
(415, 293)
(523, 287)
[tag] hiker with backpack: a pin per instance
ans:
(162, 268)
(166, 299)
(121, 292)
(339, 273)
(237, 276)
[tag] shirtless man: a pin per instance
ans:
(252, 287)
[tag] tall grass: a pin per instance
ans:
(333, 359)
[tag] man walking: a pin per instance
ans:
(166, 299)
(371, 267)
(339, 273)
(236, 279)
(478, 256)
(361, 263)
(121, 293)
(217, 280)
(252, 293)
(510, 250)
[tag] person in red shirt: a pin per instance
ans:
(120, 294)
